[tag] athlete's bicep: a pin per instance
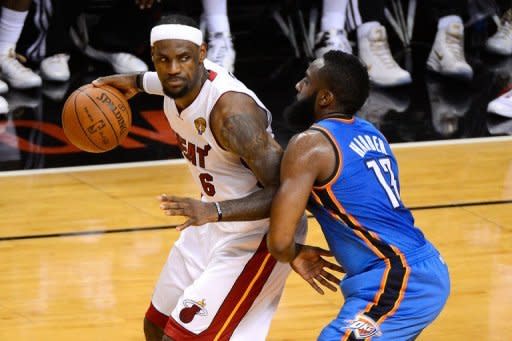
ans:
(240, 126)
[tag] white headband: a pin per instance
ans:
(176, 31)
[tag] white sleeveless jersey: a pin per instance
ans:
(220, 174)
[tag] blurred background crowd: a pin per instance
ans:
(448, 63)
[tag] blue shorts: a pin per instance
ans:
(397, 316)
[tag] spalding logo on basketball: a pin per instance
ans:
(96, 119)
(192, 308)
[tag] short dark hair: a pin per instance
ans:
(347, 78)
(178, 19)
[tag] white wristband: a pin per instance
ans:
(151, 84)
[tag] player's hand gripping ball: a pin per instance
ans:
(96, 119)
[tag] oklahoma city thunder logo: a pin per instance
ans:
(192, 308)
(364, 327)
(200, 124)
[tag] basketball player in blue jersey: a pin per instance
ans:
(343, 170)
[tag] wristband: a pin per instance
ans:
(219, 211)
(139, 81)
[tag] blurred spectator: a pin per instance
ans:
(113, 38)
(501, 41)
(12, 19)
(372, 41)
(220, 42)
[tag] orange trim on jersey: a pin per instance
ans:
(343, 120)
(336, 202)
(377, 252)
(339, 166)
(245, 295)
(316, 198)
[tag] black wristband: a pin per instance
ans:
(139, 81)
(219, 211)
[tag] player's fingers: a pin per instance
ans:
(325, 283)
(162, 197)
(315, 286)
(184, 225)
(174, 211)
(98, 82)
(330, 277)
(130, 93)
(171, 205)
(176, 199)
(324, 252)
(333, 266)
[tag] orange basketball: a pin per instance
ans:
(96, 119)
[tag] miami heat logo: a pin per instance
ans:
(364, 327)
(192, 308)
(200, 124)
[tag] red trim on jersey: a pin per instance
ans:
(211, 75)
(236, 304)
(157, 318)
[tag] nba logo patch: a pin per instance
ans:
(200, 124)
(363, 327)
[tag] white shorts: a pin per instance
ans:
(218, 285)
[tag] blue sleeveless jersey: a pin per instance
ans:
(359, 209)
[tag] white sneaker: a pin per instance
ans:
(121, 62)
(374, 52)
(4, 106)
(501, 41)
(221, 51)
(331, 40)
(17, 75)
(447, 54)
(55, 68)
(3, 87)
(502, 105)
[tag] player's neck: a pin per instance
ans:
(333, 114)
(183, 102)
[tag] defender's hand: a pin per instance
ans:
(198, 212)
(127, 84)
(311, 266)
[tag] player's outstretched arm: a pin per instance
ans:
(309, 157)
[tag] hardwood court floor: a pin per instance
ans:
(58, 283)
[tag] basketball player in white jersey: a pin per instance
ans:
(219, 281)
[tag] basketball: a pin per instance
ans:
(96, 119)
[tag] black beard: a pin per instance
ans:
(299, 115)
(182, 92)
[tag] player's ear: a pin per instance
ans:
(325, 97)
(153, 53)
(202, 52)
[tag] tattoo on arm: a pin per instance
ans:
(246, 136)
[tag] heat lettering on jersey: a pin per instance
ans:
(195, 154)
(362, 144)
